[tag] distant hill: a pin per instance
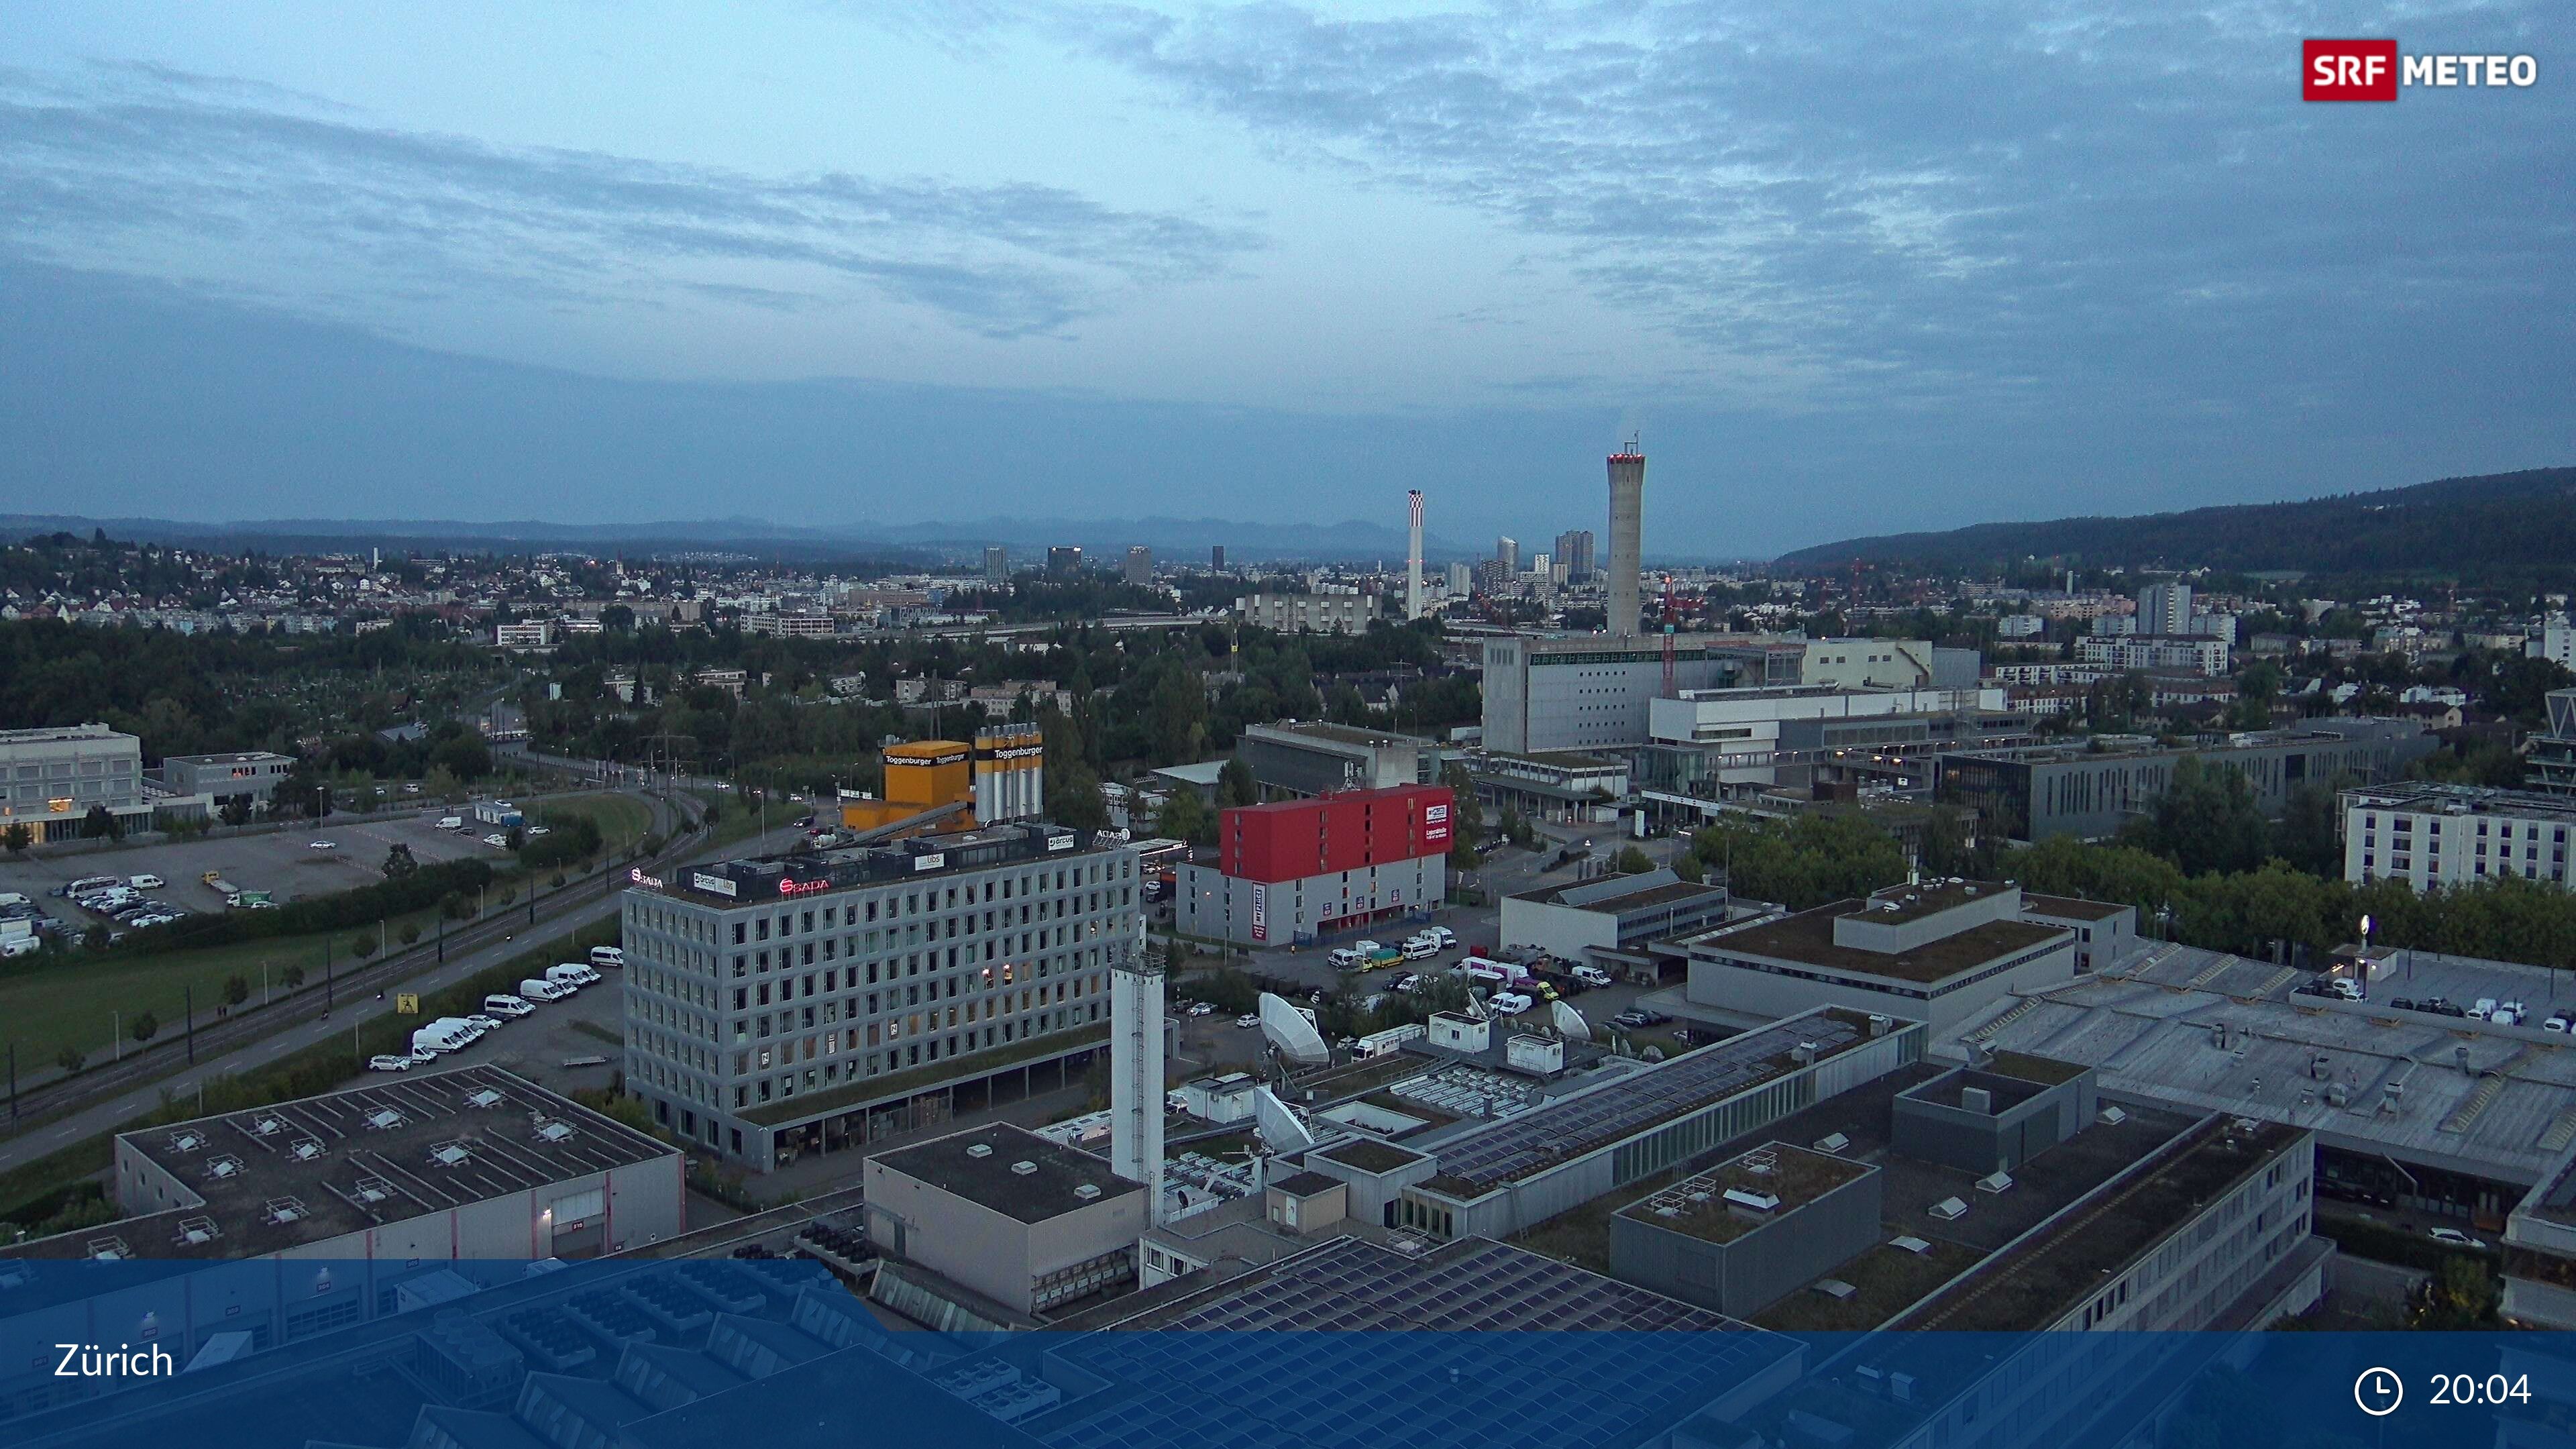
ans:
(2500, 524)
(1104, 540)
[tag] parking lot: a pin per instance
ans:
(282, 863)
(563, 1045)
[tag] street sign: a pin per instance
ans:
(407, 1003)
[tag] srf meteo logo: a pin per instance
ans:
(2372, 70)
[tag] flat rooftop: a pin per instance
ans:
(1792, 1176)
(1489, 1156)
(1018, 1174)
(1807, 938)
(2033, 1283)
(1371, 1157)
(2071, 908)
(2462, 799)
(2465, 1099)
(1639, 899)
(277, 1177)
(1340, 734)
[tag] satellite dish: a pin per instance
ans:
(1569, 1022)
(1287, 1028)
(1281, 1132)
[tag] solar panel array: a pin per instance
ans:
(1335, 1389)
(1583, 1122)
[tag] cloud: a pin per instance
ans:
(168, 174)
(2013, 203)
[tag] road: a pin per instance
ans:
(254, 1041)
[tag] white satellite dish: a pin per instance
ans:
(1281, 1132)
(1288, 1029)
(1569, 1022)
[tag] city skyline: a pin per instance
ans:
(807, 256)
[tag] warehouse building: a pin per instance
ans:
(1308, 870)
(1610, 913)
(1940, 952)
(58, 774)
(1018, 1221)
(812, 1002)
(2038, 792)
(1494, 1178)
(1593, 692)
(1295, 759)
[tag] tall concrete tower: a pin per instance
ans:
(1136, 1072)
(1413, 561)
(1627, 523)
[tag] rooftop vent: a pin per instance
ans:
(2112, 1117)
(1995, 1181)
(554, 1131)
(1832, 1142)
(1879, 1024)
(1835, 1288)
(449, 1154)
(1977, 1100)
(1087, 1191)
(372, 1190)
(1761, 1163)
(283, 1210)
(108, 1249)
(196, 1232)
(1024, 1168)
(384, 1119)
(305, 1149)
(223, 1167)
(267, 1127)
(979, 1149)
(1759, 1202)
(186, 1141)
(1910, 1244)
(1949, 1209)
(485, 1098)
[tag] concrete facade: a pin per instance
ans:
(999, 1210)
(56, 775)
(1690, 1242)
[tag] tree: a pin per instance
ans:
(143, 1027)
(293, 976)
(1185, 817)
(399, 863)
(2309, 834)
(1235, 786)
(517, 839)
(236, 989)
(410, 932)
(1632, 861)
(70, 1060)
(463, 756)
(100, 823)
(97, 936)
(17, 837)
(363, 947)
(2206, 820)
(236, 811)
(1075, 800)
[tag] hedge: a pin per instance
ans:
(364, 906)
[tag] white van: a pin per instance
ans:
(12, 898)
(451, 822)
(571, 976)
(447, 1034)
(1343, 958)
(1590, 975)
(607, 958)
(504, 1005)
(1509, 1003)
(537, 988)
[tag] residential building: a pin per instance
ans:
(1345, 611)
(2431, 835)
(997, 565)
(2020, 626)
(522, 637)
(1507, 554)
(2556, 642)
(2164, 608)
(1303, 870)
(57, 774)
(2153, 652)
(1574, 551)
(795, 1003)
(1139, 568)
(1064, 560)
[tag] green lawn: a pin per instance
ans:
(622, 819)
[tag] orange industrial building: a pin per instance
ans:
(998, 777)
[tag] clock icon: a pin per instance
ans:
(2378, 1391)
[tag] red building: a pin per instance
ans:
(1311, 869)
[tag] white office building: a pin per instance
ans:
(2433, 835)
(57, 775)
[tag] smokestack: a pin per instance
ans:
(1136, 1073)
(1413, 561)
(1627, 510)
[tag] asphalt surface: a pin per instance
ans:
(140, 1084)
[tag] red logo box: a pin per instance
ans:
(2348, 70)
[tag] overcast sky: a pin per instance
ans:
(1847, 268)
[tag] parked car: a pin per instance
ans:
(1247, 1021)
(2454, 1238)
(2484, 1009)
(1343, 958)
(390, 1064)
(484, 1023)
(321, 845)
(497, 841)
(1407, 983)
(146, 882)
(2558, 1022)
